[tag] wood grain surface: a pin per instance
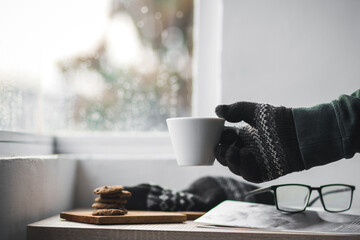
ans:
(56, 228)
(130, 217)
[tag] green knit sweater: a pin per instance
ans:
(329, 132)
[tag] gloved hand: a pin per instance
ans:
(266, 148)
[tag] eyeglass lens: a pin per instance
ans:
(336, 198)
(292, 198)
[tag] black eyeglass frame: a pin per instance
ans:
(308, 203)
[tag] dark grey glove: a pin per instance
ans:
(266, 148)
(202, 195)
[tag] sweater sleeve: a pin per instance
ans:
(329, 132)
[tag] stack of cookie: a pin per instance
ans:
(111, 201)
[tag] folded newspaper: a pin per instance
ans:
(253, 215)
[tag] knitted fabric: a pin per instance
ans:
(263, 140)
(202, 195)
(235, 190)
(160, 199)
(263, 150)
(156, 198)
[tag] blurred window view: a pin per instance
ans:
(89, 65)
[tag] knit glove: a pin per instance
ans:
(202, 195)
(266, 148)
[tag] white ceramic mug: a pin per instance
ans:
(194, 139)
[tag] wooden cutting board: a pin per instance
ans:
(130, 217)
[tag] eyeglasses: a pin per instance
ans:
(296, 197)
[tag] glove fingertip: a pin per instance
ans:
(221, 111)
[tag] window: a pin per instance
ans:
(115, 65)
(122, 66)
(119, 66)
(20, 62)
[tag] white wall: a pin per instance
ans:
(290, 52)
(33, 188)
(293, 53)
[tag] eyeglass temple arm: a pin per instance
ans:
(330, 192)
(257, 191)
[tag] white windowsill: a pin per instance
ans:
(25, 144)
(115, 144)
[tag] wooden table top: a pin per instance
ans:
(60, 229)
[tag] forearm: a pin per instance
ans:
(329, 132)
(347, 109)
